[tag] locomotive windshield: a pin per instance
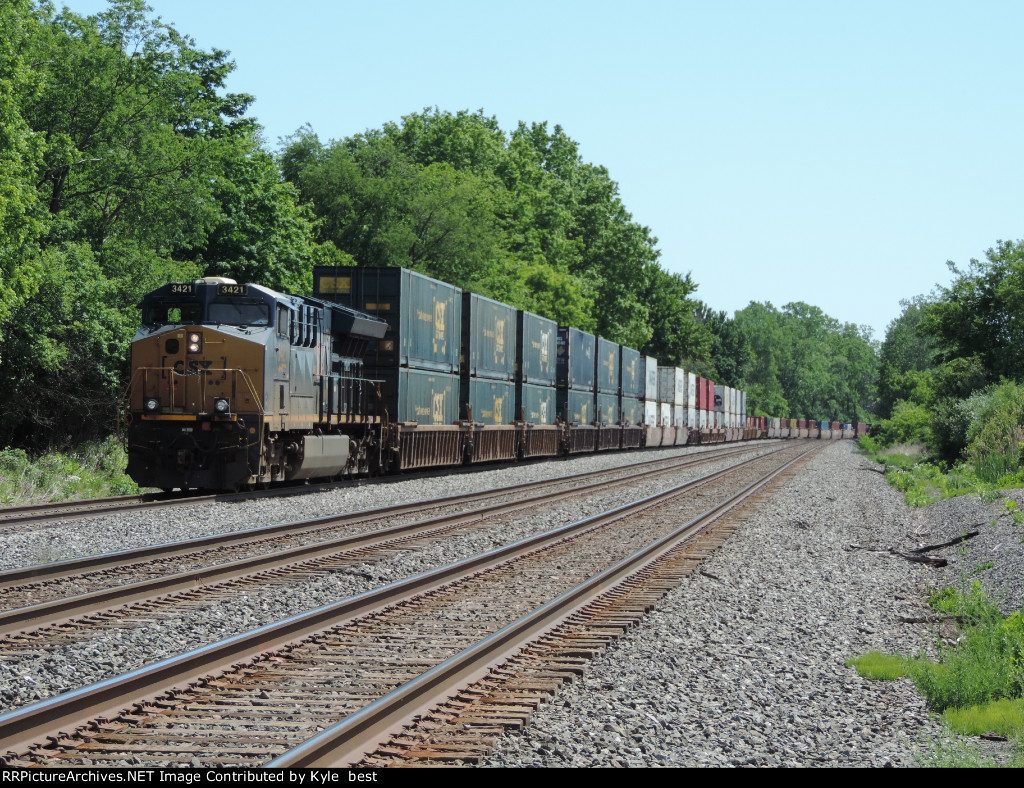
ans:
(239, 312)
(177, 311)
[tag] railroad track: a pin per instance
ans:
(30, 516)
(276, 695)
(73, 600)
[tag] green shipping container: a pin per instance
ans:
(576, 406)
(488, 338)
(632, 365)
(489, 401)
(608, 408)
(607, 366)
(416, 395)
(424, 315)
(536, 349)
(632, 411)
(538, 402)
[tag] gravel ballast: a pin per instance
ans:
(744, 664)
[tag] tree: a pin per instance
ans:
(981, 313)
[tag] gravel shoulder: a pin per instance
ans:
(744, 664)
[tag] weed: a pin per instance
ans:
(1004, 717)
(982, 567)
(878, 666)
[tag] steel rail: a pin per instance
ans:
(66, 609)
(22, 728)
(12, 578)
(345, 743)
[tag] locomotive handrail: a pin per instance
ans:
(245, 378)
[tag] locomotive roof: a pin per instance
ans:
(342, 319)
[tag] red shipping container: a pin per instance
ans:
(836, 425)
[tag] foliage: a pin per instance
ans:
(123, 164)
(996, 433)
(1004, 717)
(986, 663)
(796, 362)
(910, 423)
(92, 470)
(519, 217)
(981, 314)
(905, 360)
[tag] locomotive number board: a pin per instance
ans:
(232, 290)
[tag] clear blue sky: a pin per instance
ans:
(831, 153)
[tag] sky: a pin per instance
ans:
(833, 153)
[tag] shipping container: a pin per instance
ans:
(487, 401)
(607, 366)
(575, 363)
(651, 413)
(417, 395)
(692, 418)
(650, 391)
(631, 411)
(424, 315)
(664, 414)
(536, 349)
(607, 408)
(719, 400)
(672, 385)
(536, 404)
(488, 338)
(632, 365)
(679, 416)
(575, 406)
(690, 400)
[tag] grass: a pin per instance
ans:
(922, 482)
(93, 470)
(977, 684)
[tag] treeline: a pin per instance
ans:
(124, 163)
(796, 362)
(952, 368)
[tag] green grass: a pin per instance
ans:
(978, 681)
(878, 666)
(93, 470)
(1004, 717)
(923, 482)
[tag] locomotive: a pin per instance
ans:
(235, 385)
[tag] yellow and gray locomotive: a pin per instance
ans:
(234, 385)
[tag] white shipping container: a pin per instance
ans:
(679, 416)
(650, 379)
(650, 413)
(692, 418)
(664, 414)
(671, 385)
(691, 390)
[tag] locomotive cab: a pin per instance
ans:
(234, 385)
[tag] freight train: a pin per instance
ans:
(235, 385)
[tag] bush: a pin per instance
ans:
(996, 433)
(910, 423)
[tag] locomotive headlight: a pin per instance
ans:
(222, 405)
(152, 405)
(195, 342)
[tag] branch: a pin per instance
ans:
(950, 543)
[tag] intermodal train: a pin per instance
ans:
(235, 385)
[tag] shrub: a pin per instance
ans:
(996, 434)
(910, 423)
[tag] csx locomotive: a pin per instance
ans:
(234, 385)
